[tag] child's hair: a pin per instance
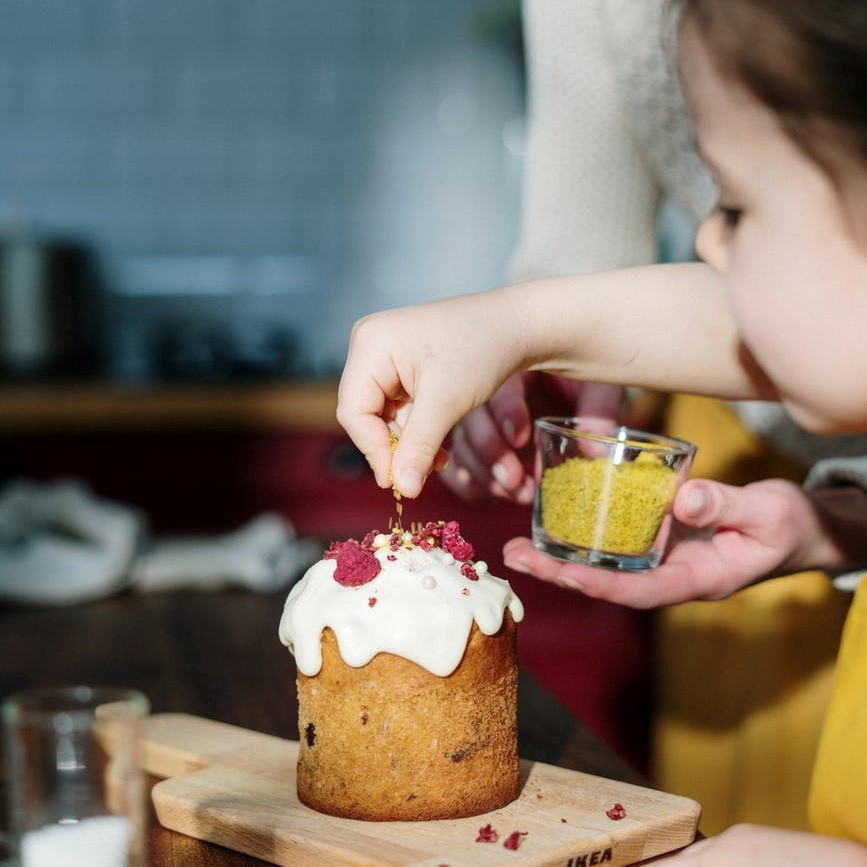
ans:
(806, 60)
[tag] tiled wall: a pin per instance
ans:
(321, 157)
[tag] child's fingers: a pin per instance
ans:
(419, 450)
(360, 407)
(373, 431)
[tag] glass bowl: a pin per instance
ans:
(604, 491)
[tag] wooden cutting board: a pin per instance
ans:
(236, 788)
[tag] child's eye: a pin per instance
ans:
(730, 216)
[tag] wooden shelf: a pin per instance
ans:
(78, 407)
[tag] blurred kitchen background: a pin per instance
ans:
(197, 200)
(215, 190)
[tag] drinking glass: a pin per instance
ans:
(76, 794)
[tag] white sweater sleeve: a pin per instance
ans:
(838, 471)
(607, 134)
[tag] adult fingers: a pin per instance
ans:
(466, 475)
(510, 412)
(599, 401)
(758, 510)
(693, 571)
(487, 453)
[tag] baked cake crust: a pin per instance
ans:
(392, 741)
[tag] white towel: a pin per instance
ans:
(61, 544)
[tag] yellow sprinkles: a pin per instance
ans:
(597, 504)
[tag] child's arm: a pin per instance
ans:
(662, 327)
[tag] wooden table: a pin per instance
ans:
(218, 656)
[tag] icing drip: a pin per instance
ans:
(425, 621)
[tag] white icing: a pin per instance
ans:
(425, 621)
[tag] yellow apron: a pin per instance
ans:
(743, 685)
(838, 791)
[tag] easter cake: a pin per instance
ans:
(406, 658)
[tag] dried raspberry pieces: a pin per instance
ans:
(357, 562)
(454, 543)
(445, 535)
(356, 565)
(469, 571)
(487, 834)
(617, 812)
(514, 839)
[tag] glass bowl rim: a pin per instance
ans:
(623, 434)
(77, 701)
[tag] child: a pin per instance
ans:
(770, 88)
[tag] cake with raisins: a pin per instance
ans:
(406, 655)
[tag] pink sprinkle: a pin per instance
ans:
(428, 582)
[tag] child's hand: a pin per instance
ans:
(769, 847)
(728, 537)
(427, 366)
(490, 446)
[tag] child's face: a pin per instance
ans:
(784, 244)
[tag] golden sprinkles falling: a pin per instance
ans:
(394, 523)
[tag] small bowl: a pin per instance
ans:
(604, 491)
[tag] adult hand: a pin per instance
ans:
(489, 447)
(724, 538)
(768, 847)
